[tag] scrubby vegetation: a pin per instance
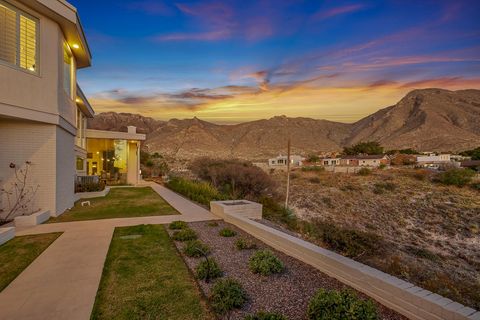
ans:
(244, 244)
(266, 316)
(213, 224)
(226, 295)
(195, 248)
(226, 232)
(201, 192)
(313, 168)
(177, 225)
(474, 153)
(184, 235)
(208, 269)
(370, 147)
(265, 263)
(364, 171)
(326, 305)
(235, 178)
(456, 177)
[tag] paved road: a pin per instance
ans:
(63, 281)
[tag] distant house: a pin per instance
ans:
(329, 162)
(472, 164)
(433, 160)
(295, 160)
(365, 160)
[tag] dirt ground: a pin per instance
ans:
(431, 232)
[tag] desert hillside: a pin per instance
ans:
(427, 120)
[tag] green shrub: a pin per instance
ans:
(208, 269)
(340, 305)
(382, 166)
(184, 235)
(226, 232)
(227, 294)
(195, 248)
(265, 316)
(381, 187)
(276, 212)
(476, 186)
(201, 192)
(314, 180)
(456, 177)
(265, 263)
(244, 244)
(213, 224)
(364, 171)
(350, 242)
(176, 225)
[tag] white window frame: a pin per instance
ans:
(16, 65)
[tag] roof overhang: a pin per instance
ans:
(116, 135)
(83, 104)
(67, 17)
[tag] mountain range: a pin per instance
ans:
(425, 120)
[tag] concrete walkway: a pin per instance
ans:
(62, 282)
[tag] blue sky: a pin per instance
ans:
(233, 61)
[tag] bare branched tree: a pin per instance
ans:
(20, 195)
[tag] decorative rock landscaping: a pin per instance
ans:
(287, 289)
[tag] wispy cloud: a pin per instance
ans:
(151, 7)
(336, 11)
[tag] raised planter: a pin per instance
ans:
(243, 208)
(96, 194)
(33, 219)
(6, 234)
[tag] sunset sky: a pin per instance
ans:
(235, 61)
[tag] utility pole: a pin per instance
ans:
(288, 174)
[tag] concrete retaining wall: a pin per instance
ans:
(6, 234)
(89, 195)
(399, 295)
(33, 219)
(244, 208)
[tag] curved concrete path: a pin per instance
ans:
(62, 282)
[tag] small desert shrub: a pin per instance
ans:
(226, 232)
(265, 316)
(423, 253)
(313, 168)
(227, 294)
(382, 166)
(476, 186)
(340, 305)
(213, 224)
(276, 212)
(195, 248)
(208, 269)
(244, 244)
(265, 263)
(349, 242)
(176, 225)
(364, 171)
(381, 187)
(421, 174)
(455, 177)
(314, 180)
(184, 235)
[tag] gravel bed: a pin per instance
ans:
(287, 293)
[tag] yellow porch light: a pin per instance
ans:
(75, 46)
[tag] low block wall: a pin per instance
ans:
(399, 295)
(89, 195)
(33, 219)
(6, 234)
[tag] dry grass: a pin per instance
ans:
(431, 232)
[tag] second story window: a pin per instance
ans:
(18, 38)
(67, 71)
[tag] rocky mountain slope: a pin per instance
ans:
(428, 120)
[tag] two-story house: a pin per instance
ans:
(43, 111)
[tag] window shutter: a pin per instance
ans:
(8, 30)
(28, 43)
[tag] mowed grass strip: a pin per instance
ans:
(145, 278)
(122, 202)
(18, 253)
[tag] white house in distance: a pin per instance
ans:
(330, 162)
(43, 111)
(295, 160)
(432, 159)
(374, 160)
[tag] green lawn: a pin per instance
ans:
(145, 278)
(119, 203)
(18, 253)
